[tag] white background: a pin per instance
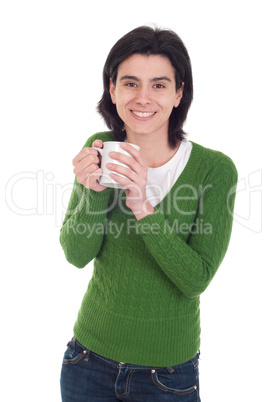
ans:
(52, 54)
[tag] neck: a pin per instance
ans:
(156, 152)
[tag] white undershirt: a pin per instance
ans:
(160, 180)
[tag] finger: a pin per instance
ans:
(93, 182)
(90, 170)
(90, 179)
(129, 173)
(85, 163)
(132, 164)
(82, 154)
(119, 179)
(98, 144)
(130, 186)
(135, 153)
(94, 175)
(126, 160)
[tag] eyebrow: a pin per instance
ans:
(133, 78)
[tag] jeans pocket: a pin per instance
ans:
(75, 352)
(178, 380)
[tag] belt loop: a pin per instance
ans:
(87, 354)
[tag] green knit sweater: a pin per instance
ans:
(142, 302)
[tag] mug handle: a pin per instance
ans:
(100, 150)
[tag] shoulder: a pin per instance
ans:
(215, 162)
(103, 136)
(213, 158)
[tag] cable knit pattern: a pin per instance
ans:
(142, 303)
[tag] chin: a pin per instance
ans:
(140, 130)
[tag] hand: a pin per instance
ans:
(135, 181)
(86, 167)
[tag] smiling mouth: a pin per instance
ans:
(143, 114)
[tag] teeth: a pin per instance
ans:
(140, 114)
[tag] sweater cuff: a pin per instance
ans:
(94, 203)
(154, 228)
(98, 197)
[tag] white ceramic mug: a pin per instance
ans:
(111, 146)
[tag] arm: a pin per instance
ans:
(82, 231)
(191, 265)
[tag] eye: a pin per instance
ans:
(159, 86)
(130, 85)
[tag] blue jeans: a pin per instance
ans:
(87, 376)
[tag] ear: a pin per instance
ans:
(112, 91)
(179, 95)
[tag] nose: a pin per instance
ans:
(143, 96)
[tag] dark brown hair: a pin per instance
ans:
(149, 41)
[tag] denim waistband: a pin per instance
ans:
(194, 360)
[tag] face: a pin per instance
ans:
(145, 94)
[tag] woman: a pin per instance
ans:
(156, 244)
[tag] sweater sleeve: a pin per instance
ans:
(83, 228)
(82, 231)
(191, 264)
